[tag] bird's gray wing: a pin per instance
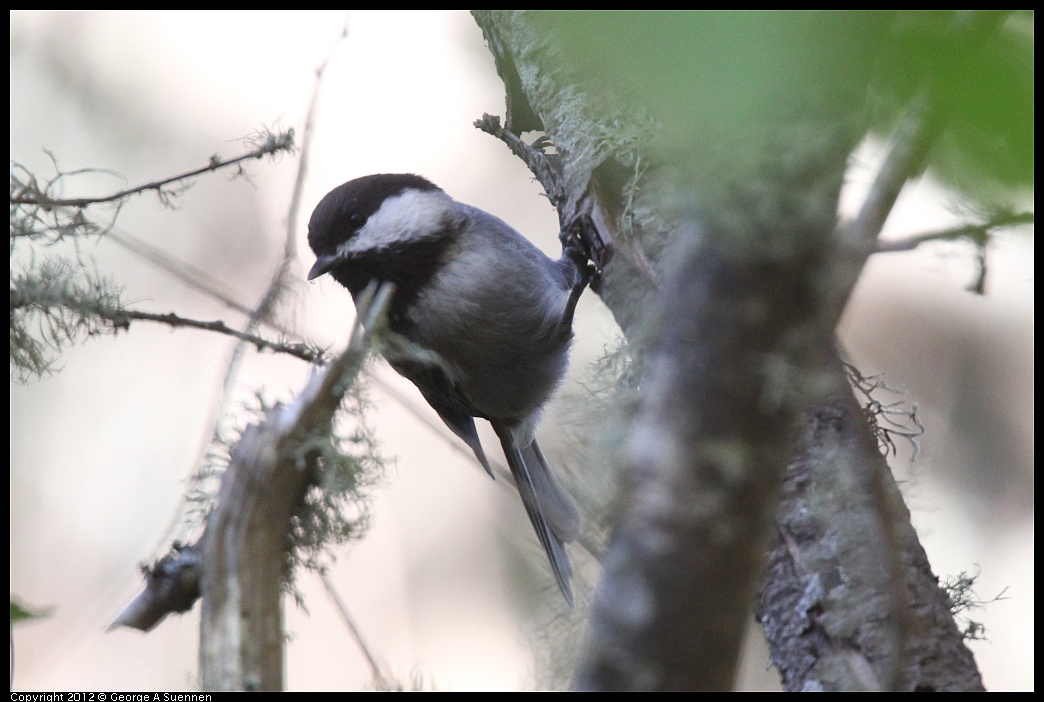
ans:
(447, 400)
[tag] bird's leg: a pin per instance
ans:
(583, 270)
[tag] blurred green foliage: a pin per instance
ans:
(728, 77)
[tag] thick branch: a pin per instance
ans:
(171, 586)
(831, 603)
(247, 534)
(705, 456)
(239, 564)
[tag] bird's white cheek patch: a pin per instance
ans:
(410, 216)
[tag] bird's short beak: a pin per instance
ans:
(323, 264)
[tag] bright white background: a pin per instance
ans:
(101, 450)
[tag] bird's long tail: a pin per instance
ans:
(551, 511)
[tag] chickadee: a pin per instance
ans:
(491, 313)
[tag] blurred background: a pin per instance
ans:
(448, 587)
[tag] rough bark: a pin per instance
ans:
(837, 609)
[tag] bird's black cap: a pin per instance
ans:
(345, 209)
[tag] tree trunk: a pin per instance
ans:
(711, 152)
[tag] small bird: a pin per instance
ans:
(489, 313)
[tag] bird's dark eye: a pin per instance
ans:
(356, 219)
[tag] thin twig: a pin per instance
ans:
(353, 628)
(302, 351)
(121, 318)
(306, 140)
(535, 159)
(273, 143)
(965, 231)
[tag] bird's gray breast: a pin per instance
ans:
(493, 315)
